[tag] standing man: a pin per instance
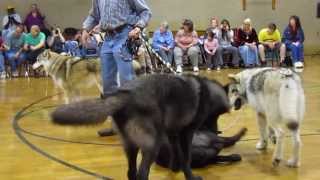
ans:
(119, 20)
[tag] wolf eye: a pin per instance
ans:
(234, 90)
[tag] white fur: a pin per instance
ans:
(280, 102)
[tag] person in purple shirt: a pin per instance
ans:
(163, 43)
(34, 18)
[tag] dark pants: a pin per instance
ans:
(230, 49)
(213, 60)
(33, 55)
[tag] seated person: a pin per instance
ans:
(270, 38)
(163, 43)
(34, 17)
(14, 49)
(10, 21)
(34, 43)
(211, 45)
(186, 43)
(56, 41)
(90, 48)
(2, 65)
(248, 41)
(214, 27)
(293, 37)
(225, 38)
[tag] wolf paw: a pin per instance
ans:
(262, 145)
(293, 163)
(276, 162)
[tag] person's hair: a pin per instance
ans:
(210, 34)
(216, 19)
(224, 32)
(272, 26)
(35, 28)
(20, 26)
(298, 24)
(165, 24)
(189, 24)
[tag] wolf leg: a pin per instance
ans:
(131, 152)
(262, 123)
(148, 157)
(230, 141)
(186, 142)
(294, 161)
(277, 155)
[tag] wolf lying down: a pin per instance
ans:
(152, 113)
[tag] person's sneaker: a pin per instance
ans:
(168, 65)
(209, 69)
(15, 74)
(195, 69)
(3, 75)
(218, 68)
(298, 65)
(179, 69)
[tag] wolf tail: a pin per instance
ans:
(292, 102)
(87, 112)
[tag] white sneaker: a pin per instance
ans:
(209, 69)
(3, 75)
(15, 74)
(168, 65)
(218, 68)
(179, 69)
(298, 65)
(195, 69)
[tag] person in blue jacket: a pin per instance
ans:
(293, 37)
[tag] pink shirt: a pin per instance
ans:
(186, 39)
(211, 46)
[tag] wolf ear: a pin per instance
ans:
(234, 78)
(47, 53)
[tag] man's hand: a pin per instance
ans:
(271, 45)
(84, 37)
(33, 48)
(134, 33)
(16, 56)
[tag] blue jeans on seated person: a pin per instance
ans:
(2, 68)
(296, 52)
(167, 56)
(14, 63)
(116, 60)
(249, 55)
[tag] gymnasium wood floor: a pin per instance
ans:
(18, 161)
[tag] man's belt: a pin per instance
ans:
(117, 30)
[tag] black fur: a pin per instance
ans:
(152, 111)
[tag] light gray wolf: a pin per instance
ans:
(150, 112)
(71, 74)
(278, 98)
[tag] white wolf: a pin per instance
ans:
(278, 99)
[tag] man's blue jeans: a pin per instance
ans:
(14, 63)
(116, 59)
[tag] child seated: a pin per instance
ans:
(211, 45)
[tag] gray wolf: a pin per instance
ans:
(278, 98)
(152, 111)
(71, 74)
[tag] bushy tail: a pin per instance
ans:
(87, 112)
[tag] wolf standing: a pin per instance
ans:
(120, 20)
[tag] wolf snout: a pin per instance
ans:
(237, 104)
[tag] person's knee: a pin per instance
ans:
(261, 47)
(193, 51)
(177, 52)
